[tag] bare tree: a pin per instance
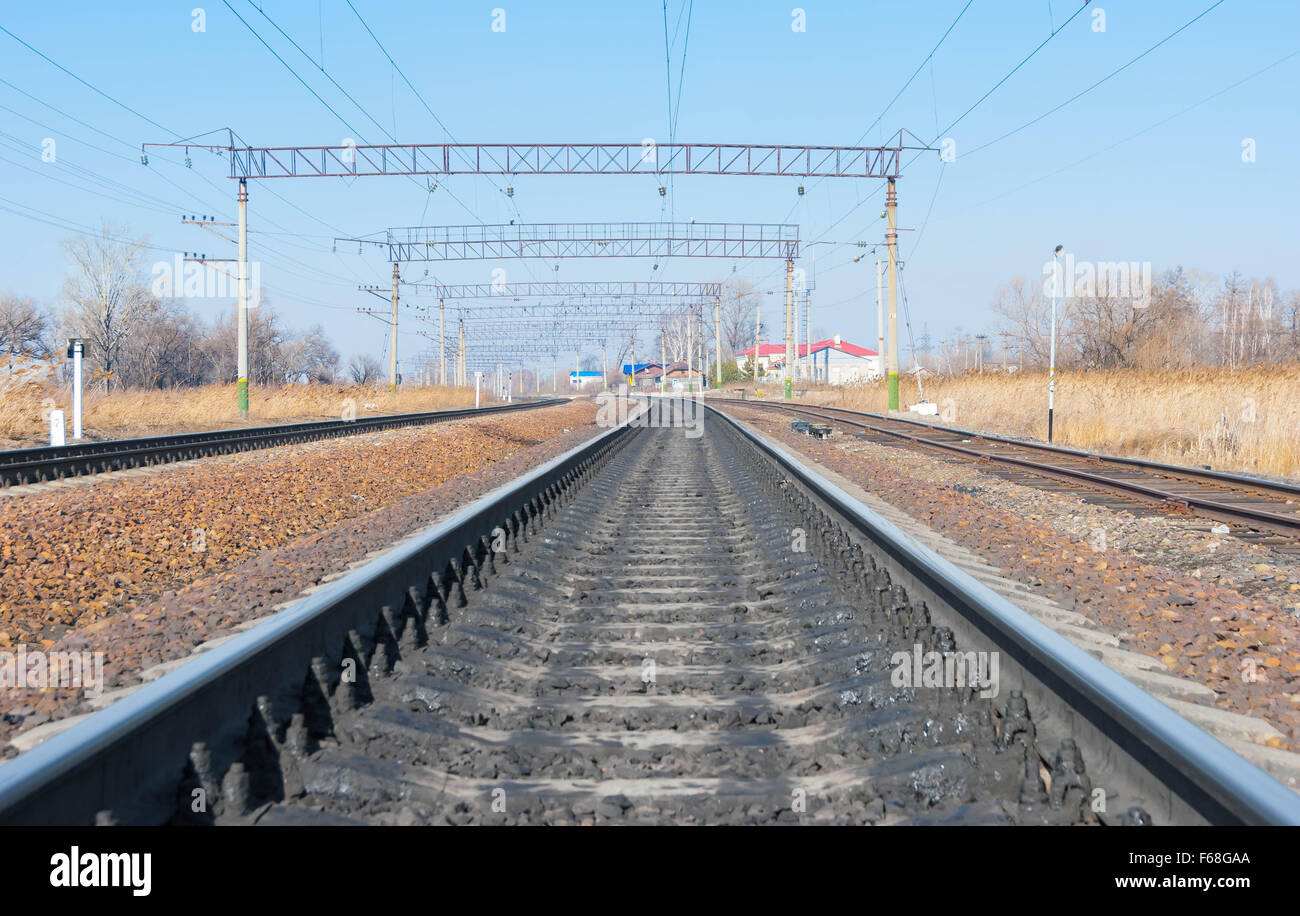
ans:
(164, 351)
(107, 293)
(24, 329)
(309, 356)
(1027, 320)
(739, 300)
(364, 368)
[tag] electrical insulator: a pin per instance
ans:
(188, 164)
(662, 192)
(144, 160)
(801, 190)
(510, 191)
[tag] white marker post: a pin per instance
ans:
(75, 347)
(478, 377)
(56, 428)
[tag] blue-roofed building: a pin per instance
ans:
(585, 377)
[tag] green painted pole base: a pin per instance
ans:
(893, 391)
(789, 389)
(242, 397)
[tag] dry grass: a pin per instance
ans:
(25, 399)
(1246, 420)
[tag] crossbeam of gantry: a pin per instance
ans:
(350, 160)
(587, 240)
(568, 289)
(595, 308)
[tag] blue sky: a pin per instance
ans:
(1141, 168)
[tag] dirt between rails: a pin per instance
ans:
(1213, 608)
(145, 568)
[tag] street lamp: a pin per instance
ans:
(1051, 368)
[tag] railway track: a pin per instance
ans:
(35, 465)
(655, 627)
(1252, 502)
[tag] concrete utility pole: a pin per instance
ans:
(758, 327)
(789, 305)
(604, 369)
(392, 339)
(891, 240)
(442, 344)
(717, 337)
(631, 379)
(242, 319)
(539, 376)
(555, 374)
(577, 379)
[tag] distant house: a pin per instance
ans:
(646, 374)
(835, 360)
(580, 379)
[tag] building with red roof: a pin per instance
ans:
(835, 361)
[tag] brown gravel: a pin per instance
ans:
(113, 567)
(1215, 609)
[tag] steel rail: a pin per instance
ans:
(128, 758)
(31, 465)
(1205, 773)
(1225, 511)
(1277, 486)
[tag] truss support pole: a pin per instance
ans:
(392, 339)
(461, 379)
(442, 343)
(690, 327)
(717, 337)
(663, 362)
(242, 318)
(809, 369)
(891, 239)
(789, 322)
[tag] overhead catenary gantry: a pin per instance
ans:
(641, 158)
(569, 289)
(644, 158)
(587, 240)
(631, 302)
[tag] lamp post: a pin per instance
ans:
(1051, 368)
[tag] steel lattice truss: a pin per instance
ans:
(645, 158)
(589, 240)
(568, 311)
(569, 289)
